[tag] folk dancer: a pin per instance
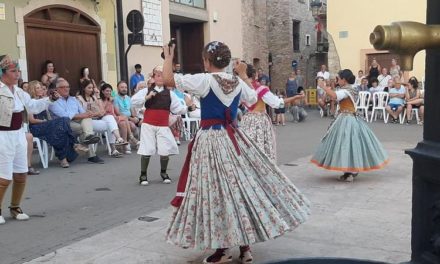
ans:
(14, 107)
(229, 192)
(349, 145)
(156, 136)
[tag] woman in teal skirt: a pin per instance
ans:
(349, 145)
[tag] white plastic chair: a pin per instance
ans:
(380, 100)
(415, 112)
(363, 103)
(43, 150)
(107, 142)
(188, 132)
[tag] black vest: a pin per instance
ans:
(161, 100)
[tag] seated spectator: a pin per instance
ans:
(364, 85)
(396, 102)
(140, 85)
(196, 113)
(101, 121)
(122, 103)
(373, 89)
(44, 89)
(80, 120)
(389, 86)
(57, 132)
(25, 86)
(414, 99)
(123, 123)
(298, 109)
(323, 99)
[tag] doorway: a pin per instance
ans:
(190, 43)
(68, 37)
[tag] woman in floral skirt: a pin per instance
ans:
(229, 192)
(349, 145)
(256, 124)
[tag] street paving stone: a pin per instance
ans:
(367, 219)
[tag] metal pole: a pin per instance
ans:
(121, 41)
(126, 68)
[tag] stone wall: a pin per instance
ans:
(280, 17)
(255, 41)
(334, 64)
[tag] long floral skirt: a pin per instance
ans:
(233, 199)
(258, 127)
(176, 124)
(350, 146)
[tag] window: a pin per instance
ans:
(193, 3)
(308, 40)
(296, 35)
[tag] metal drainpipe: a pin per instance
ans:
(121, 41)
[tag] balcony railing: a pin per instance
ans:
(193, 3)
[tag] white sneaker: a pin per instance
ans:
(165, 178)
(143, 180)
(144, 183)
(18, 214)
(22, 217)
(2, 220)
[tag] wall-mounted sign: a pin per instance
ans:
(343, 34)
(294, 64)
(152, 11)
(2, 11)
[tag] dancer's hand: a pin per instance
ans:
(240, 69)
(150, 95)
(168, 51)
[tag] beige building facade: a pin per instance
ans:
(25, 19)
(351, 22)
(194, 24)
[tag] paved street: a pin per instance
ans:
(88, 213)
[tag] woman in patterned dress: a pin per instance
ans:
(229, 192)
(349, 145)
(256, 124)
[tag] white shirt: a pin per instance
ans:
(358, 80)
(383, 80)
(33, 106)
(342, 94)
(325, 75)
(176, 107)
(375, 90)
(273, 100)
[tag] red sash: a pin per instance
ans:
(16, 122)
(157, 117)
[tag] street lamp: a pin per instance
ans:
(315, 5)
